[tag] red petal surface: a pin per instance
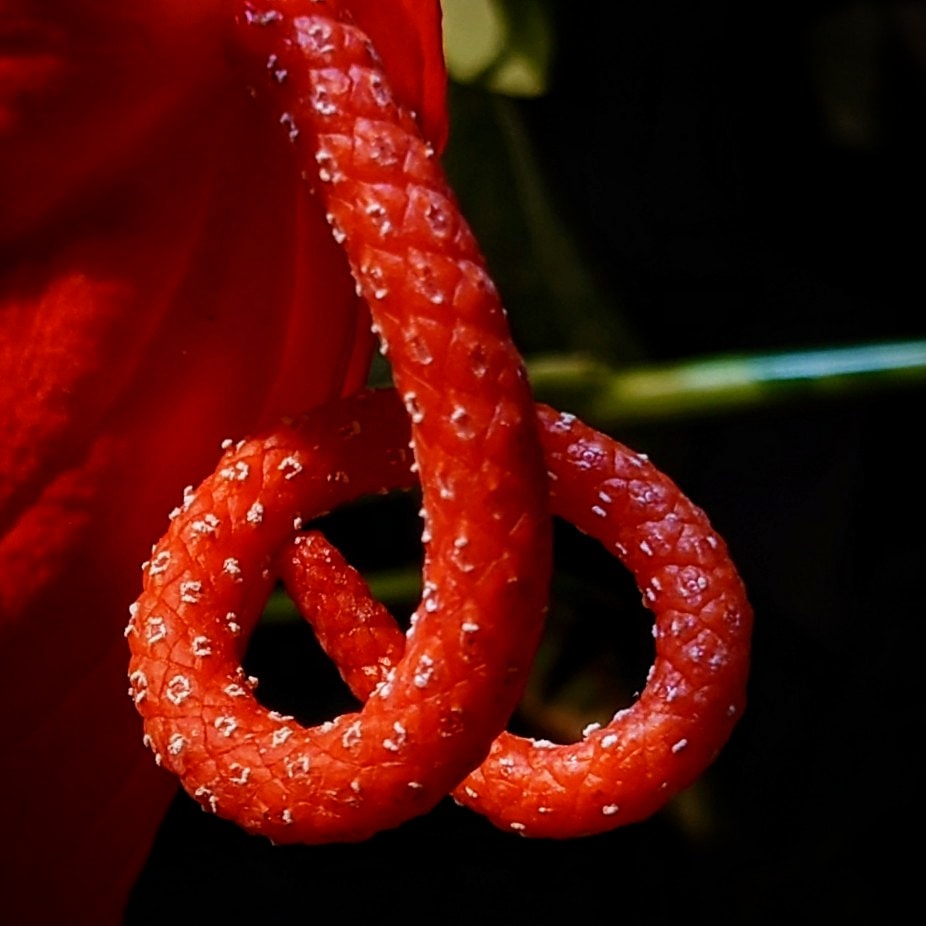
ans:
(167, 281)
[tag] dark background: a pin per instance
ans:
(718, 177)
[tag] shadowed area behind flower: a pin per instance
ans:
(174, 285)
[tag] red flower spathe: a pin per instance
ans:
(166, 281)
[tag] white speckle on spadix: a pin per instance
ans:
(419, 350)
(138, 686)
(297, 766)
(312, 35)
(212, 800)
(438, 217)
(379, 90)
(411, 406)
(155, 629)
(243, 773)
(290, 466)
(261, 18)
(190, 592)
(322, 102)
(378, 216)
(280, 736)
(424, 671)
(462, 422)
(237, 473)
(336, 231)
(289, 122)
(352, 735)
(206, 525)
(225, 725)
(178, 689)
(231, 621)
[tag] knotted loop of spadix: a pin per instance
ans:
(478, 445)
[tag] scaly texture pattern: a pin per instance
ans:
(622, 771)
(436, 700)
(475, 444)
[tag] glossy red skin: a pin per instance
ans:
(472, 432)
(628, 767)
(411, 743)
(476, 446)
(167, 280)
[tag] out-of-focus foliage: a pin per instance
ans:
(504, 46)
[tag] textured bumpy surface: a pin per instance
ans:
(624, 770)
(436, 701)
(480, 463)
(205, 585)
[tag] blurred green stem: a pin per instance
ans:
(711, 385)
(648, 393)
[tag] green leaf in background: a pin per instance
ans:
(698, 386)
(506, 46)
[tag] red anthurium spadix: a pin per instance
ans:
(487, 476)
(167, 280)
